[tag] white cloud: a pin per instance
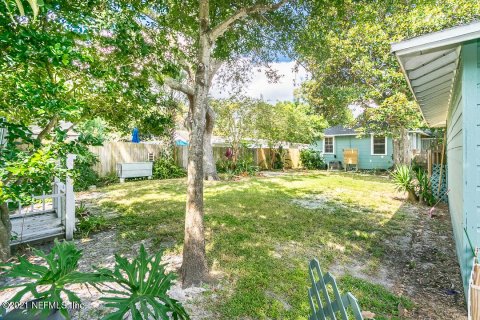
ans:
(259, 86)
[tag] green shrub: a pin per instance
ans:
(87, 223)
(166, 168)
(403, 178)
(312, 159)
(423, 187)
(244, 167)
(84, 174)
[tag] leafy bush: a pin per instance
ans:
(312, 159)
(47, 282)
(145, 287)
(87, 223)
(244, 167)
(423, 187)
(166, 168)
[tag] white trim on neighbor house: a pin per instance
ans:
(333, 143)
(343, 134)
(371, 147)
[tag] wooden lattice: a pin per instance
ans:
(322, 306)
(434, 181)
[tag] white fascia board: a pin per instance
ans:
(452, 36)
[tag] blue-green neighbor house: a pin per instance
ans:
(443, 72)
(374, 152)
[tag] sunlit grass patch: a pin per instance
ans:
(260, 237)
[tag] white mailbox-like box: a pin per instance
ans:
(134, 170)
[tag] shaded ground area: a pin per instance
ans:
(261, 233)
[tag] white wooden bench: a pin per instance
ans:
(134, 170)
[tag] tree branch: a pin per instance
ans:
(52, 123)
(175, 85)
(215, 66)
(220, 29)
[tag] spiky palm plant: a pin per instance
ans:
(403, 178)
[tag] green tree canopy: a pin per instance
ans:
(347, 49)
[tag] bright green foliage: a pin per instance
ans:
(288, 122)
(145, 287)
(47, 282)
(244, 166)
(347, 45)
(312, 159)
(166, 168)
(423, 187)
(87, 222)
(403, 178)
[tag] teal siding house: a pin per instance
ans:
(374, 152)
(443, 72)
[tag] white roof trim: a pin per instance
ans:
(452, 36)
(430, 64)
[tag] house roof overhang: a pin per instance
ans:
(430, 64)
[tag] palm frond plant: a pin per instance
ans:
(424, 189)
(47, 281)
(144, 289)
(403, 178)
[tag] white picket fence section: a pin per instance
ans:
(49, 216)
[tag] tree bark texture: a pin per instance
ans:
(194, 266)
(401, 154)
(5, 232)
(210, 169)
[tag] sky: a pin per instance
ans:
(271, 92)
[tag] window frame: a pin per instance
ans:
(333, 144)
(372, 149)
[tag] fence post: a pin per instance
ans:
(69, 200)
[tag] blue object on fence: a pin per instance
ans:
(181, 143)
(135, 136)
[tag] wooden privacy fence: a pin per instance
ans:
(113, 153)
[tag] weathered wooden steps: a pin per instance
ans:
(36, 227)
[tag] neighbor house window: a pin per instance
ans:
(328, 145)
(379, 145)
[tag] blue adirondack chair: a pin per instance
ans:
(329, 309)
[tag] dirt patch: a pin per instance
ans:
(420, 264)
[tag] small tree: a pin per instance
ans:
(235, 121)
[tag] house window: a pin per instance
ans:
(379, 145)
(328, 145)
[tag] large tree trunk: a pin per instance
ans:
(401, 150)
(209, 167)
(194, 266)
(5, 232)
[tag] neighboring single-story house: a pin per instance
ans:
(443, 72)
(374, 151)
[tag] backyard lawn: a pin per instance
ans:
(262, 231)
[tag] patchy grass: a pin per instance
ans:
(260, 239)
